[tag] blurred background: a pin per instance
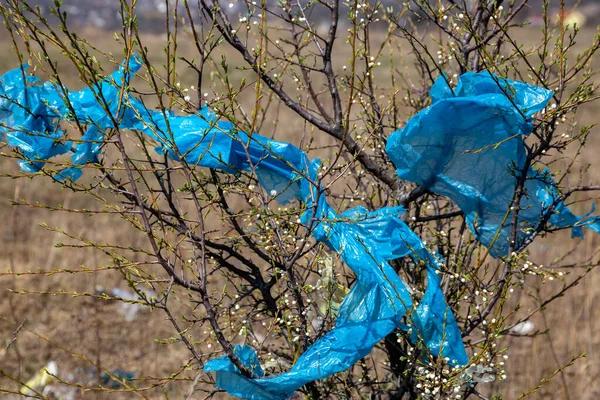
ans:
(103, 14)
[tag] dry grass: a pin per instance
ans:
(69, 329)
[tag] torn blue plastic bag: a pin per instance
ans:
(29, 116)
(24, 122)
(469, 145)
(378, 302)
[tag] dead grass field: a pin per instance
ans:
(71, 329)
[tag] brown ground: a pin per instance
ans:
(88, 328)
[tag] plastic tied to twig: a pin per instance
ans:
(469, 145)
(378, 302)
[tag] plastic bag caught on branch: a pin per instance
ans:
(477, 156)
(25, 122)
(378, 302)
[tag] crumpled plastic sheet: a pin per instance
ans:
(31, 129)
(378, 302)
(469, 145)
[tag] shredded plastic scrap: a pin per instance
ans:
(469, 145)
(378, 302)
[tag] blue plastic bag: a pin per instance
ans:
(25, 123)
(366, 241)
(476, 156)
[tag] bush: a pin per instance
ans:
(226, 258)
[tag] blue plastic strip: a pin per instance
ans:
(366, 241)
